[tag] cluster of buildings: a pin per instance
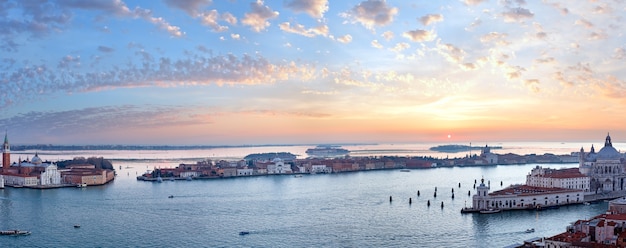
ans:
(599, 175)
(286, 165)
(35, 173)
(604, 230)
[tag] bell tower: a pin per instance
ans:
(6, 154)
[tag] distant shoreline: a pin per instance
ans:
(459, 148)
(152, 147)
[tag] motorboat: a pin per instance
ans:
(405, 170)
(81, 185)
(244, 233)
(171, 196)
(490, 211)
(77, 226)
(14, 232)
(530, 230)
(298, 175)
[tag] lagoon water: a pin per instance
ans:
(336, 210)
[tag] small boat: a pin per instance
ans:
(77, 226)
(298, 175)
(244, 233)
(490, 211)
(14, 232)
(171, 196)
(188, 178)
(405, 170)
(587, 203)
(530, 230)
(81, 185)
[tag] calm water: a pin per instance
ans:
(339, 210)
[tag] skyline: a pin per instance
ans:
(202, 72)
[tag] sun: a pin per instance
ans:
(449, 136)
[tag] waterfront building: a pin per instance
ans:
(278, 166)
(86, 175)
(245, 171)
(604, 230)
(605, 168)
(569, 178)
(523, 197)
(491, 158)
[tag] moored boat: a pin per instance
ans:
(530, 230)
(490, 211)
(14, 232)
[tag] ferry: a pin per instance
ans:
(327, 151)
(14, 232)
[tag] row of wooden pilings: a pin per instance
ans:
(469, 193)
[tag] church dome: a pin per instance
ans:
(608, 151)
(36, 159)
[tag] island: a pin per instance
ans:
(460, 148)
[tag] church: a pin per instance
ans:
(606, 168)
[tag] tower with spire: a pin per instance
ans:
(6, 153)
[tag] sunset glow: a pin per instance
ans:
(299, 71)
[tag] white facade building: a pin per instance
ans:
(563, 178)
(606, 168)
(278, 167)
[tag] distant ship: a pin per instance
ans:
(327, 151)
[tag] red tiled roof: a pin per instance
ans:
(530, 190)
(564, 173)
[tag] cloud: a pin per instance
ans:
(419, 35)
(314, 8)
(451, 53)
(345, 39)
(119, 9)
(388, 35)
(372, 13)
(101, 119)
(151, 71)
(376, 44)
(210, 19)
(473, 2)
(518, 14)
(105, 49)
(585, 23)
(257, 18)
(495, 37)
(301, 30)
(189, 6)
(400, 47)
(69, 62)
(430, 19)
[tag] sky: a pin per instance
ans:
(208, 72)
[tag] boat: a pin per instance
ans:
(14, 232)
(405, 170)
(297, 175)
(171, 196)
(77, 226)
(490, 211)
(159, 179)
(244, 233)
(587, 203)
(327, 151)
(81, 185)
(530, 230)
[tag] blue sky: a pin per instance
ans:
(295, 71)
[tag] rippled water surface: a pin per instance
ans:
(337, 210)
